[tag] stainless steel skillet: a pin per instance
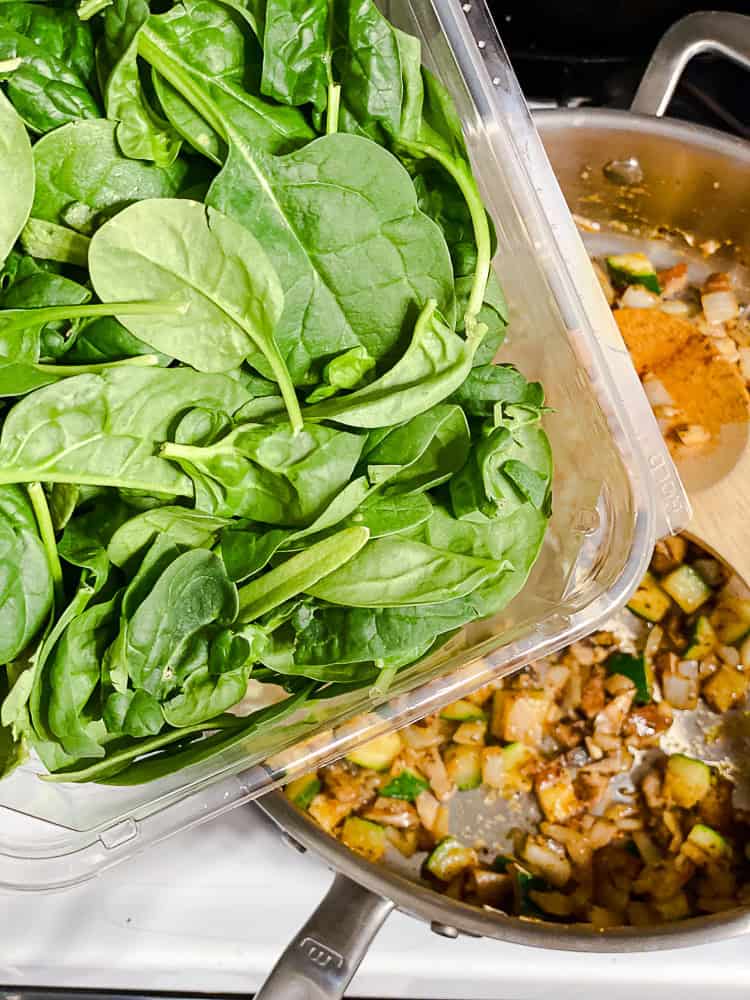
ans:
(694, 185)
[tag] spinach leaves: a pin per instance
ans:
(16, 177)
(251, 431)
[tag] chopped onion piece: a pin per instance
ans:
(718, 307)
(638, 297)
(675, 307)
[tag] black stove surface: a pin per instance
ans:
(590, 54)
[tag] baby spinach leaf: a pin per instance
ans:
(300, 573)
(505, 470)
(16, 177)
(422, 453)
(391, 515)
(343, 372)
(62, 499)
(192, 593)
(48, 241)
(189, 528)
(104, 429)
(25, 577)
(297, 52)
(209, 63)
(395, 570)
(208, 261)
(73, 675)
(82, 177)
(351, 635)
(206, 695)
(270, 474)
(133, 713)
(345, 285)
(13, 750)
(53, 82)
(490, 384)
(434, 365)
(141, 133)
(38, 289)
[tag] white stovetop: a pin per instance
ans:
(209, 911)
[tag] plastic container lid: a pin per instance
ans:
(615, 492)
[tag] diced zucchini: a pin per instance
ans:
(378, 754)
(637, 669)
(463, 764)
(687, 588)
(364, 837)
(740, 606)
(708, 841)
(726, 687)
(649, 601)
(303, 790)
(506, 768)
(462, 711)
(728, 628)
(405, 785)
(491, 888)
(554, 790)
(702, 640)
(633, 269)
(686, 780)
(449, 858)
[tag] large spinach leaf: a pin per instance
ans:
(209, 262)
(82, 177)
(270, 474)
(25, 577)
(141, 133)
(191, 594)
(104, 429)
(208, 67)
(16, 177)
(434, 365)
(355, 255)
(48, 59)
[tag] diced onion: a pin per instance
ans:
(675, 307)
(718, 307)
(656, 392)
(678, 691)
(638, 297)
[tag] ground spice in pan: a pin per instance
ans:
(705, 390)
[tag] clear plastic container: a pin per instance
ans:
(615, 492)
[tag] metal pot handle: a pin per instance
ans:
(715, 31)
(320, 961)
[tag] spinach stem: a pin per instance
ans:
(47, 534)
(87, 8)
(385, 678)
(332, 109)
(461, 174)
(19, 319)
(140, 361)
(173, 73)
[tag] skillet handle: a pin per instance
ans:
(321, 960)
(720, 31)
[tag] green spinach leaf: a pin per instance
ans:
(82, 177)
(16, 177)
(207, 260)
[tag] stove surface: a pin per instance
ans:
(209, 912)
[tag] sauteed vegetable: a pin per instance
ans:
(613, 819)
(253, 449)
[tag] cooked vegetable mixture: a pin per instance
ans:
(253, 449)
(690, 344)
(608, 842)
